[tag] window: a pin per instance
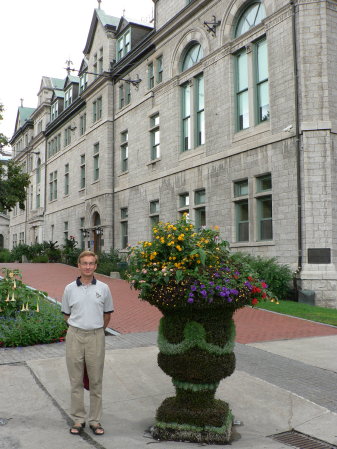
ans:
(83, 81)
(96, 161)
(95, 66)
(82, 241)
(159, 69)
(184, 204)
(262, 88)
(155, 137)
(38, 171)
(68, 97)
(192, 56)
(150, 74)
(97, 109)
(241, 210)
(39, 126)
(21, 238)
(124, 227)
(154, 213)
(251, 66)
(250, 18)
(82, 170)
(199, 208)
(15, 240)
(54, 111)
(54, 145)
(83, 124)
(193, 113)
(121, 96)
(67, 136)
(66, 231)
(123, 45)
(53, 186)
(127, 93)
(124, 151)
(100, 61)
(66, 179)
(37, 200)
(264, 208)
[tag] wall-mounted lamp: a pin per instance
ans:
(72, 128)
(211, 26)
(98, 231)
(85, 232)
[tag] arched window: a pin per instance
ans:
(251, 17)
(192, 56)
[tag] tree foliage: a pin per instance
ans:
(13, 182)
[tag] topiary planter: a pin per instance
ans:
(196, 350)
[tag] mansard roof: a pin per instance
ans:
(23, 115)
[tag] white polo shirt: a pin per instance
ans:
(86, 304)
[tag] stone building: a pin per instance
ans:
(226, 109)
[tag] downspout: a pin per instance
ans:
(298, 146)
(113, 165)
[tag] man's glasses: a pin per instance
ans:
(88, 264)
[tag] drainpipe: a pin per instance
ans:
(113, 165)
(298, 145)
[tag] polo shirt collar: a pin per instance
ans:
(79, 283)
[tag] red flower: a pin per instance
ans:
(256, 290)
(250, 279)
(264, 285)
(255, 301)
(264, 295)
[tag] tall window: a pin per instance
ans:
(200, 110)
(83, 81)
(124, 227)
(97, 109)
(155, 137)
(68, 97)
(127, 93)
(38, 171)
(264, 207)
(124, 151)
(100, 61)
(241, 210)
(96, 161)
(159, 69)
(186, 116)
(67, 136)
(154, 213)
(95, 70)
(150, 74)
(121, 96)
(66, 179)
(123, 45)
(82, 241)
(66, 231)
(53, 186)
(82, 171)
(83, 123)
(251, 72)
(199, 208)
(54, 110)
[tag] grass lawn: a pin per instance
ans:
(313, 313)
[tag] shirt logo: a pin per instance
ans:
(98, 295)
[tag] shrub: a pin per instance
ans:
(5, 256)
(277, 276)
(42, 258)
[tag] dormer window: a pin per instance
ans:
(100, 61)
(83, 81)
(54, 111)
(68, 97)
(123, 45)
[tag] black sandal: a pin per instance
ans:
(96, 428)
(77, 429)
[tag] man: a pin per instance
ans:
(87, 307)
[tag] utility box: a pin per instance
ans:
(306, 297)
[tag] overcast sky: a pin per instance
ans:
(38, 36)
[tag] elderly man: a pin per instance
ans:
(87, 307)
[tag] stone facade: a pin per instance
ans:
(292, 149)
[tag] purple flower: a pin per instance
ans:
(203, 292)
(202, 286)
(190, 300)
(193, 287)
(234, 291)
(230, 299)
(211, 283)
(227, 269)
(223, 294)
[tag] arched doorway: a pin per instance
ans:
(2, 241)
(97, 237)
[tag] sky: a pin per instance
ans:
(38, 36)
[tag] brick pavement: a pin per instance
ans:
(135, 316)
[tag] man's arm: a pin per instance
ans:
(106, 318)
(66, 317)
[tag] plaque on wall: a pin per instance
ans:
(319, 255)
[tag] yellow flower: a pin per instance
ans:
(181, 237)
(179, 248)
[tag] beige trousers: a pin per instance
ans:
(89, 347)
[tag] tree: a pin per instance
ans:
(13, 182)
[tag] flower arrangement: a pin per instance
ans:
(184, 266)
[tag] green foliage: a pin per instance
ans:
(3, 138)
(44, 252)
(109, 262)
(277, 276)
(26, 316)
(5, 256)
(13, 185)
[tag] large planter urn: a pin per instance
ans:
(196, 349)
